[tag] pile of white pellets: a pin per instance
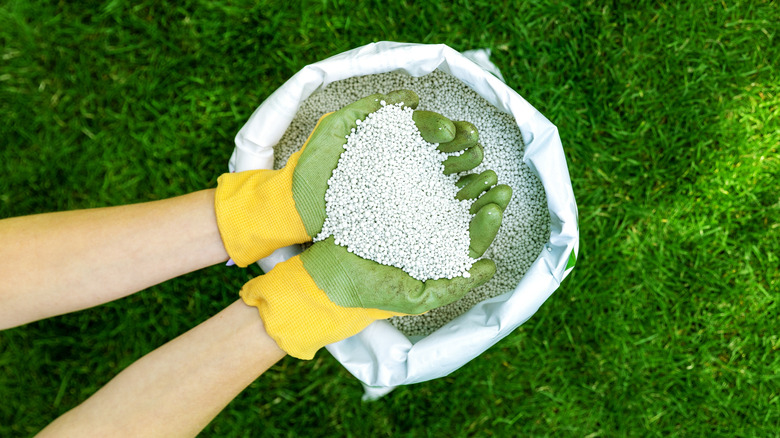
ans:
(389, 200)
(526, 223)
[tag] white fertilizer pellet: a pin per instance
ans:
(526, 224)
(388, 200)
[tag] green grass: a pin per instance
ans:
(670, 118)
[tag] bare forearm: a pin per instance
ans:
(179, 388)
(56, 263)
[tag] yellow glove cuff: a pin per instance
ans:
(298, 315)
(256, 212)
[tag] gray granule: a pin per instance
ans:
(388, 200)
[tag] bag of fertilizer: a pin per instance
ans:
(538, 241)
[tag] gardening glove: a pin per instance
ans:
(259, 211)
(318, 297)
(327, 293)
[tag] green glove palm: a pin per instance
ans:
(352, 281)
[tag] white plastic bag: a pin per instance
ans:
(381, 356)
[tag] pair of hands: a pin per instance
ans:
(326, 293)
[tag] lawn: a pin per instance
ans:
(669, 114)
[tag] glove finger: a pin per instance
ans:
(468, 160)
(483, 229)
(466, 179)
(476, 185)
(407, 97)
(466, 136)
(444, 291)
(434, 127)
(499, 195)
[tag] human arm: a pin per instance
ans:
(177, 389)
(57, 263)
